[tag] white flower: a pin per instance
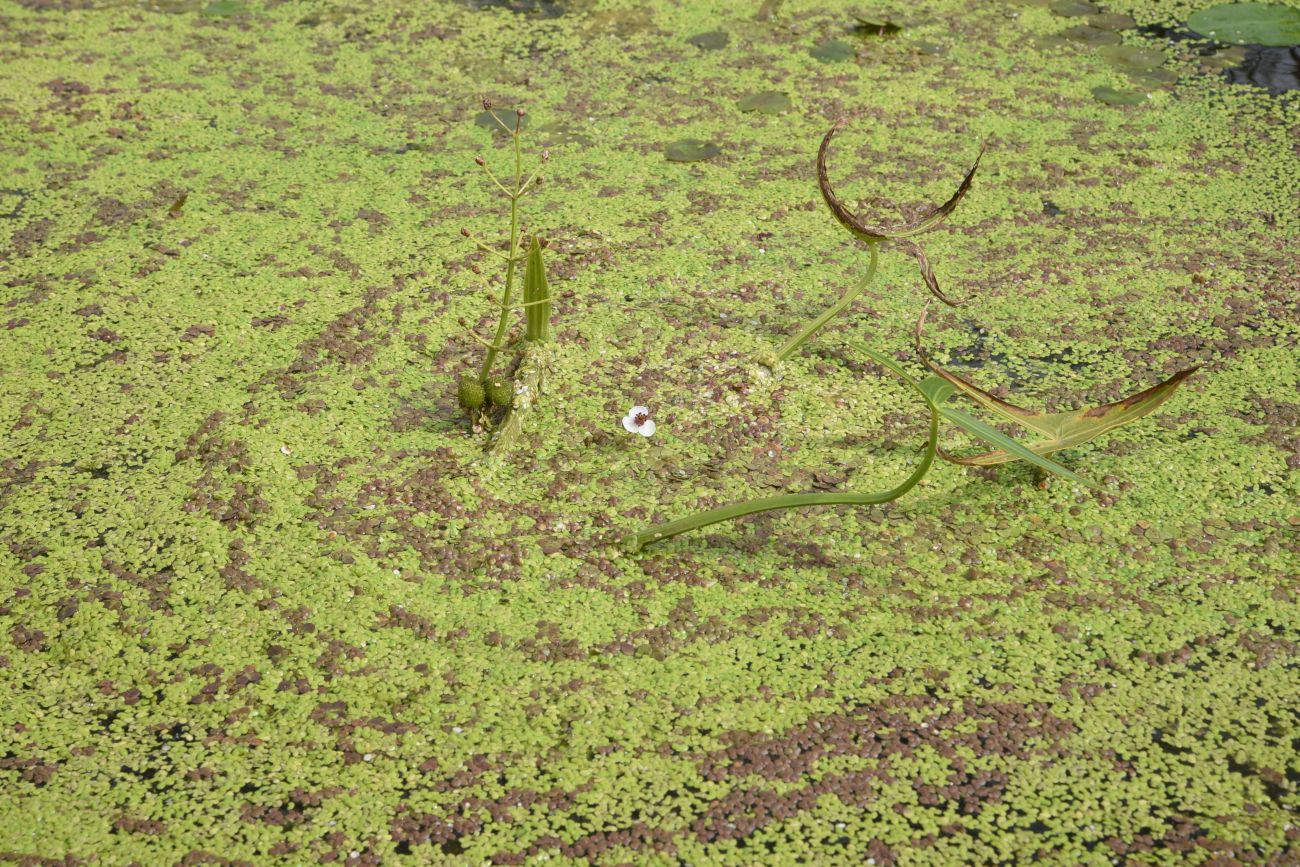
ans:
(638, 420)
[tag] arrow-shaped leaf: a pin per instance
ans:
(1059, 430)
(537, 295)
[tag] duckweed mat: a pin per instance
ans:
(262, 602)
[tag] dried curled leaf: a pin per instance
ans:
(1059, 430)
(875, 234)
(882, 233)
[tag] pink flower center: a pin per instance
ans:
(640, 418)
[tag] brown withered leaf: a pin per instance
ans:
(899, 233)
(1060, 430)
(881, 233)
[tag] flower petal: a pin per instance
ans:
(629, 424)
(648, 428)
(638, 410)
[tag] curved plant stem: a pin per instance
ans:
(504, 321)
(834, 310)
(788, 501)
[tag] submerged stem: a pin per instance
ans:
(831, 312)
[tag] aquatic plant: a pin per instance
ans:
(482, 393)
(1057, 430)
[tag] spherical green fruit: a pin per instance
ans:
(470, 393)
(500, 392)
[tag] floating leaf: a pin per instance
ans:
(834, 51)
(876, 25)
(766, 102)
(1059, 430)
(1090, 35)
(1111, 21)
(691, 150)
(1225, 59)
(1249, 24)
(1111, 96)
(1073, 8)
(224, 8)
(1152, 77)
(875, 234)
(1128, 57)
(711, 41)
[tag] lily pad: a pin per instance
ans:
(1090, 35)
(1225, 59)
(765, 102)
(1111, 96)
(224, 8)
(875, 25)
(834, 51)
(1151, 78)
(711, 41)
(1129, 57)
(1111, 21)
(1073, 8)
(1249, 24)
(691, 150)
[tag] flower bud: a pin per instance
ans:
(519, 112)
(487, 104)
(465, 232)
(480, 161)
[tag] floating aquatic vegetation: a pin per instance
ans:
(691, 150)
(713, 40)
(1249, 24)
(874, 25)
(1111, 21)
(1128, 57)
(834, 51)
(1073, 8)
(1112, 96)
(1089, 35)
(765, 102)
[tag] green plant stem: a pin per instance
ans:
(788, 501)
(504, 322)
(834, 310)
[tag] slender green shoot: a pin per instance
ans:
(658, 533)
(771, 360)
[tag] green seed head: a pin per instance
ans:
(500, 392)
(470, 393)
